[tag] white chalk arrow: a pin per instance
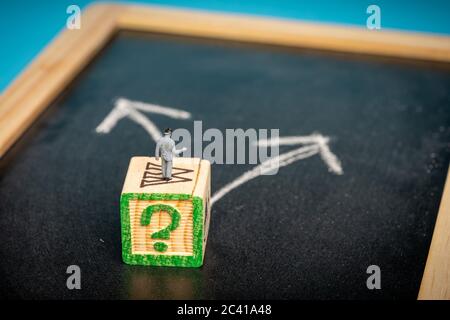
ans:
(132, 109)
(311, 145)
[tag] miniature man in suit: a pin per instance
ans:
(165, 147)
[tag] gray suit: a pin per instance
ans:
(165, 147)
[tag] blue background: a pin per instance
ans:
(27, 26)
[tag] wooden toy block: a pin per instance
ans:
(165, 223)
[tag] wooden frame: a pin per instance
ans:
(43, 80)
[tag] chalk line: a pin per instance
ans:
(293, 140)
(314, 144)
(154, 108)
(266, 166)
(333, 163)
(131, 109)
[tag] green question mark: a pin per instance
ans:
(164, 233)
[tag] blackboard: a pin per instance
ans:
(304, 233)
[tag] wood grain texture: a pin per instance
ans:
(436, 277)
(202, 189)
(138, 165)
(285, 32)
(181, 239)
(190, 176)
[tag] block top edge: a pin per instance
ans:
(144, 175)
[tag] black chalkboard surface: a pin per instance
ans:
(305, 233)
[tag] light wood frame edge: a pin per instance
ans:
(436, 277)
(59, 63)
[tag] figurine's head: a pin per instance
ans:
(167, 132)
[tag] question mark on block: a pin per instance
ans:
(163, 234)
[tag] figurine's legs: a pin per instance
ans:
(163, 167)
(166, 169)
(169, 169)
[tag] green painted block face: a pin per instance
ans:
(178, 237)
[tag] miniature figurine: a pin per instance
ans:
(165, 147)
